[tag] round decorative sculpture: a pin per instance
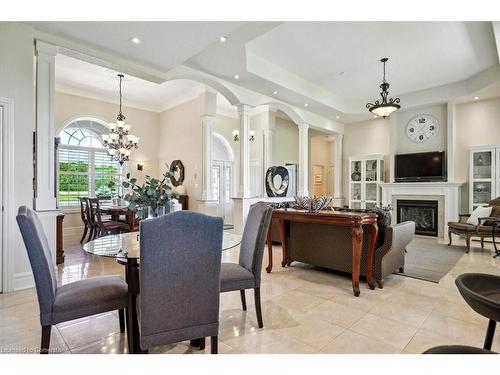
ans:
(277, 180)
(177, 169)
(313, 204)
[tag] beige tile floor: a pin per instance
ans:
(305, 311)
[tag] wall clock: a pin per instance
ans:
(422, 128)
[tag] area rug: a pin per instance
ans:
(430, 261)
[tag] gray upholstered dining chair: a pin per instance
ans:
(71, 301)
(246, 273)
(179, 279)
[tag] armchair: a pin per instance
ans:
(483, 229)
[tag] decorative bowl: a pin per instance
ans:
(313, 204)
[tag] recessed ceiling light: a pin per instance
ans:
(275, 92)
(476, 98)
(341, 73)
(223, 39)
(236, 76)
(135, 40)
(306, 104)
(337, 117)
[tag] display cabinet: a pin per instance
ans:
(365, 175)
(484, 175)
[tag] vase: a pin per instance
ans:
(150, 212)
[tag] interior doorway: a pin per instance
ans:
(318, 180)
(222, 177)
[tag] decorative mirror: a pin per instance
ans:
(177, 168)
(277, 180)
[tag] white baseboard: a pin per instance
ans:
(23, 280)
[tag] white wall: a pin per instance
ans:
(365, 138)
(180, 138)
(285, 142)
(477, 124)
(438, 143)
(17, 83)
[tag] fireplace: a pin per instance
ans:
(423, 212)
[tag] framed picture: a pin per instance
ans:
(318, 178)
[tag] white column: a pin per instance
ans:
(244, 179)
(393, 141)
(269, 128)
(207, 123)
(303, 159)
(451, 141)
(45, 90)
(338, 168)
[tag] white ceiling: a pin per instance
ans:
(163, 46)
(77, 77)
(343, 57)
(333, 66)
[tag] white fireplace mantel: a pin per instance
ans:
(450, 191)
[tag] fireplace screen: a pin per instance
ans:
(423, 213)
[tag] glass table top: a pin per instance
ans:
(126, 245)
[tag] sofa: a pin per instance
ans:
(330, 246)
(482, 230)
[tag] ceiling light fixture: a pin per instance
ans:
(135, 40)
(387, 106)
(119, 142)
(223, 39)
(476, 98)
(337, 117)
(306, 104)
(236, 76)
(275, 92)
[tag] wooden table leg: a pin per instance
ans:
(284, 242)
(132, 278)
(372, 247)
(357, 247)
(269, 250)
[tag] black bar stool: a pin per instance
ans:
(482, 293)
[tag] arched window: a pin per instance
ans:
(85, 168)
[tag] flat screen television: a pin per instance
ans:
(420, 167)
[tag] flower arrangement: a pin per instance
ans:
(152, 198)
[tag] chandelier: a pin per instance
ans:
(119, 142)
(384, 108)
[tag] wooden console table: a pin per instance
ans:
(355, 220)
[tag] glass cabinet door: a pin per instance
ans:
(481, 193)
(482, 165)
(371, 174)
(356, 170)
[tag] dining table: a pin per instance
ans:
(125, 248)
(115, 211)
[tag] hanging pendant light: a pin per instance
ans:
(119, 142)
(386, 106)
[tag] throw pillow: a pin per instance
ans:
(477, 213)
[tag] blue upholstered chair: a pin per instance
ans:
(71, 301)
(246, 273)
(179, 279)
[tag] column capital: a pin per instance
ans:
(46, 48)
(303, 126)
(243, 108)
(207, 118)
